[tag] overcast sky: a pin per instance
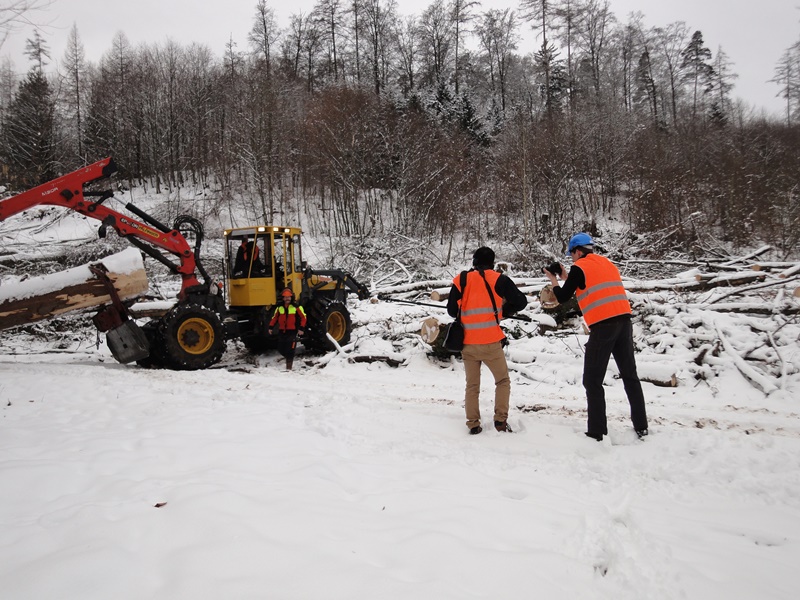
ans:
(754, 35)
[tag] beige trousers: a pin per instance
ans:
(491, 355)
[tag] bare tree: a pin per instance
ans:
(408, 51)
(461, 14)
(497, 34)
(379, 17)
(16, 13)
(330, 15)
(568, 14)
(594, 32)
(356, 13)
(264, 33)
(669, 43)
(438, 35)
(312, 44)
(293, 43)
(75, 84)
(787, 75)
(540, 14)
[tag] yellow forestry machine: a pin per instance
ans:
(259, 262)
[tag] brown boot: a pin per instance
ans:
(289, 363)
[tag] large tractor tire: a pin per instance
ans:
(327, 316)
(192, 337)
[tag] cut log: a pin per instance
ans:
(429, 330)
(660, 375)
(76, 289)
(440, 294)
(706, 281)
(790, 271)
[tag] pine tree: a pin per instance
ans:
(28, 135)
(697, 70)
(722, 84)
(36, 49)
(646, 85)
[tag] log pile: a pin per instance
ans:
(732, 313)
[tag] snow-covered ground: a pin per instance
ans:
(343, 480)
(348, 480)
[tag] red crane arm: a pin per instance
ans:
(67, 191)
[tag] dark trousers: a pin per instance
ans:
(287, 341)
(612, 337)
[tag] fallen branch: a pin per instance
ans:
(758, 252)
(750, 288)
(411, 287)
(758, 380)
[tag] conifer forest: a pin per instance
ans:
(360, 122)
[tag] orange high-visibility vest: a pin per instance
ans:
(245, 254)
(294, 318)
(477, 313)
(604, 296)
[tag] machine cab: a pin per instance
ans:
(260, 262)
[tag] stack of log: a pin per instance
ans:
(732, 285)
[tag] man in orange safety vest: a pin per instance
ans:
(483, 296)
(601, 297)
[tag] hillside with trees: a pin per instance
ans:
(367, 123)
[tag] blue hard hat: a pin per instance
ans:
(579, 239)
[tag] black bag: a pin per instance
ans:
(454, 338)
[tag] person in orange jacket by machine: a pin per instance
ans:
(290, 319)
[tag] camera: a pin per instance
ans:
(554, 268)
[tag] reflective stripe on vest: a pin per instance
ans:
(477, 313)
(604, 296)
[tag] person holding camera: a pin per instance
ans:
(601, 297)
(483, 296)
